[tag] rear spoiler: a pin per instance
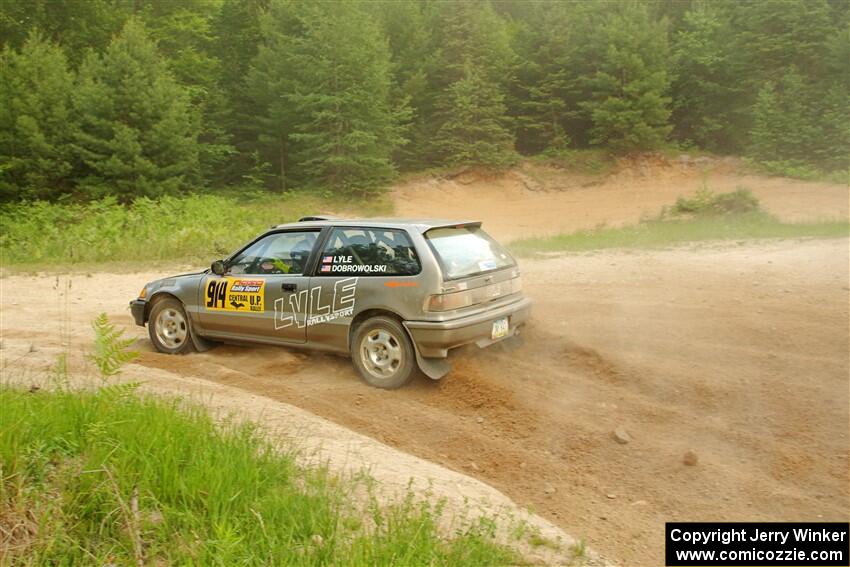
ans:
(317, 218)
(460, 224)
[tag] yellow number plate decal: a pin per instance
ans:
(232, 294)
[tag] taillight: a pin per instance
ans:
(449, 301)
(467, 298)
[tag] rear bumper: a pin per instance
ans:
(434, 339)
(137, 308)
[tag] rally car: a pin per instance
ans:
(394, 294)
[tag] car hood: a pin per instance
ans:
(171, 280)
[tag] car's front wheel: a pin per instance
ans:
(168, 327)
(383, 354)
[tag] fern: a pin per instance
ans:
(110, 348)
(114, 393)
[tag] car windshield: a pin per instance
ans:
(467, 250)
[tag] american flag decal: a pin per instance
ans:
(327, 259)
(326, 268)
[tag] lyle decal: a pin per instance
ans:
(232, 294)
(315, 308)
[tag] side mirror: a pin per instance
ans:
(218, 267)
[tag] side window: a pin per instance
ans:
(280, 253)
(368, 251)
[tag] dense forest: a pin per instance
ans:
(151, 97)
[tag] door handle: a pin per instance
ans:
(288, 287)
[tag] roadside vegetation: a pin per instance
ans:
(192, 228)
(706, 216)
(110, 476)
(152, 98)
(114, 477)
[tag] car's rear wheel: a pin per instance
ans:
(168, 327)
(383, 354)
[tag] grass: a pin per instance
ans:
(114, 477)
(590, 161)
(797, 170)
(658, 233)
(190, 228)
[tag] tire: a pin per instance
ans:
(168, 327)
(383, 354)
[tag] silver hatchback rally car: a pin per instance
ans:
(395, 294)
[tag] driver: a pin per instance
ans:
(296, 261)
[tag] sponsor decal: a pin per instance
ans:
(233, 294)
(309, 307)
(358, 268)
(345, 265)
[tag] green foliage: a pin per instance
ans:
(473, 130)
(184, 34)
(115, 477)
(406, 28)
(235, 40)
(196, 227)
(775, 35)
(705, 87)
(799, 126)
(150, 98)
(138, 133)
(465, 117)
(78, 26)
(36, 121)
(545, 76)
(629, 108)
(111, 349)
(708, 203)
(323, 78)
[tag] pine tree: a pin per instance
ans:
(471, 49)
(705, 91)
(183, 32)
(800, 129)
(408, 36)
(544, 76)
(36, 123)
(324, 79)
(76, 26)
(471, 128)
(236, 40)
(772, 37)
(138, 132)
(629, 105)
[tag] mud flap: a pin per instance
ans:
(201, 344)
(433, 368)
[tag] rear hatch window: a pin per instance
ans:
(467, 251)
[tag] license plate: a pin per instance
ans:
(500, 329)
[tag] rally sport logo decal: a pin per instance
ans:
(232, 294)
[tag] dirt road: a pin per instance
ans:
(738, 353)
(535, 200)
